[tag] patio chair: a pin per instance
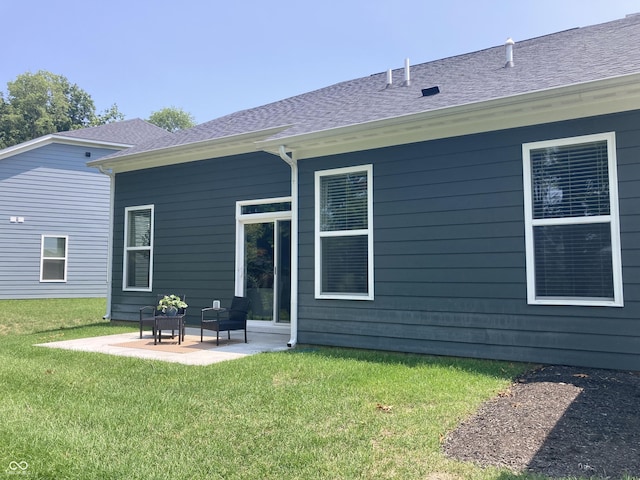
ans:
(233, 318)
(148, 315)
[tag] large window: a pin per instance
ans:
(53, 259)
(572, 229)
(344, 233)
(138, 248)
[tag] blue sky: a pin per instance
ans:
(217, 57)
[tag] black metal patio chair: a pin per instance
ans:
(233, 318)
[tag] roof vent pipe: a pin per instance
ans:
(407, 73)
(509, 51)
(389, 78)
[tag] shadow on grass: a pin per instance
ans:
(87, 330)
(494, 368)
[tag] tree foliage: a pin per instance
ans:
(41, 103)
(172, 119)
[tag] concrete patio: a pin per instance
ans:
(193, 353)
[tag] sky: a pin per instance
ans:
(215, 57)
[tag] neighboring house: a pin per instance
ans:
(54, 230)
(484, 205)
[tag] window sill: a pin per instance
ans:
(345, 296)
(596, 302)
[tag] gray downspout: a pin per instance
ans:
(112, 191)
(294, 244)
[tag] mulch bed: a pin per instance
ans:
(558, 421)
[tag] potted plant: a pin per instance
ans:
(170, 304)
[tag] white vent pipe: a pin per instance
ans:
(407, 72)
(509, 52)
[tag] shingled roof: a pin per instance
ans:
(118, 135)
(128, 132)
(570, 57)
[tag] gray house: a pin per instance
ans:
(54, 231)
(485, 205)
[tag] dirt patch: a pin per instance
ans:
(558, 421)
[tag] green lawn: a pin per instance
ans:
(309, 413)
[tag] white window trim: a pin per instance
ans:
(127, 249)
(243, 219)
(368, 231)
(259, 217)
(43, 258)
(613, 219)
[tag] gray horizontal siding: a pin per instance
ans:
(195, 226)
(57, 194)
(449, 259)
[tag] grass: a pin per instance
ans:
(309, 413)
(30, 316)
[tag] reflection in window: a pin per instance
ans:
(572, 226)
(138, 248)
(265, 208)
(570, 181)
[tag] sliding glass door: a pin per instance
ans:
(267, 269)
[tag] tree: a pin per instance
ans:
(172, 119)
(111, 114)
(41, 103)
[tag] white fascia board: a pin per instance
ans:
(613, 95)
(188, 152)
(26, 146)
(53, 138)
(84, 142)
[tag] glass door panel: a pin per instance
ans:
(267, 260)
(283, 269)
(259, 260)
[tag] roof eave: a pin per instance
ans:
(611, 95)
(53, 138)
(600, 97)
(187, 152)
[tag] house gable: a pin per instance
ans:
(45, 192)
(50, 195)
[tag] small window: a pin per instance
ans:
(53, 259)
(572, 224)
(344, 233)
(138, 246)
(256, 208)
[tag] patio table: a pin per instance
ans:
(166, 322)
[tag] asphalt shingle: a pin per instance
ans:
(129, 132)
